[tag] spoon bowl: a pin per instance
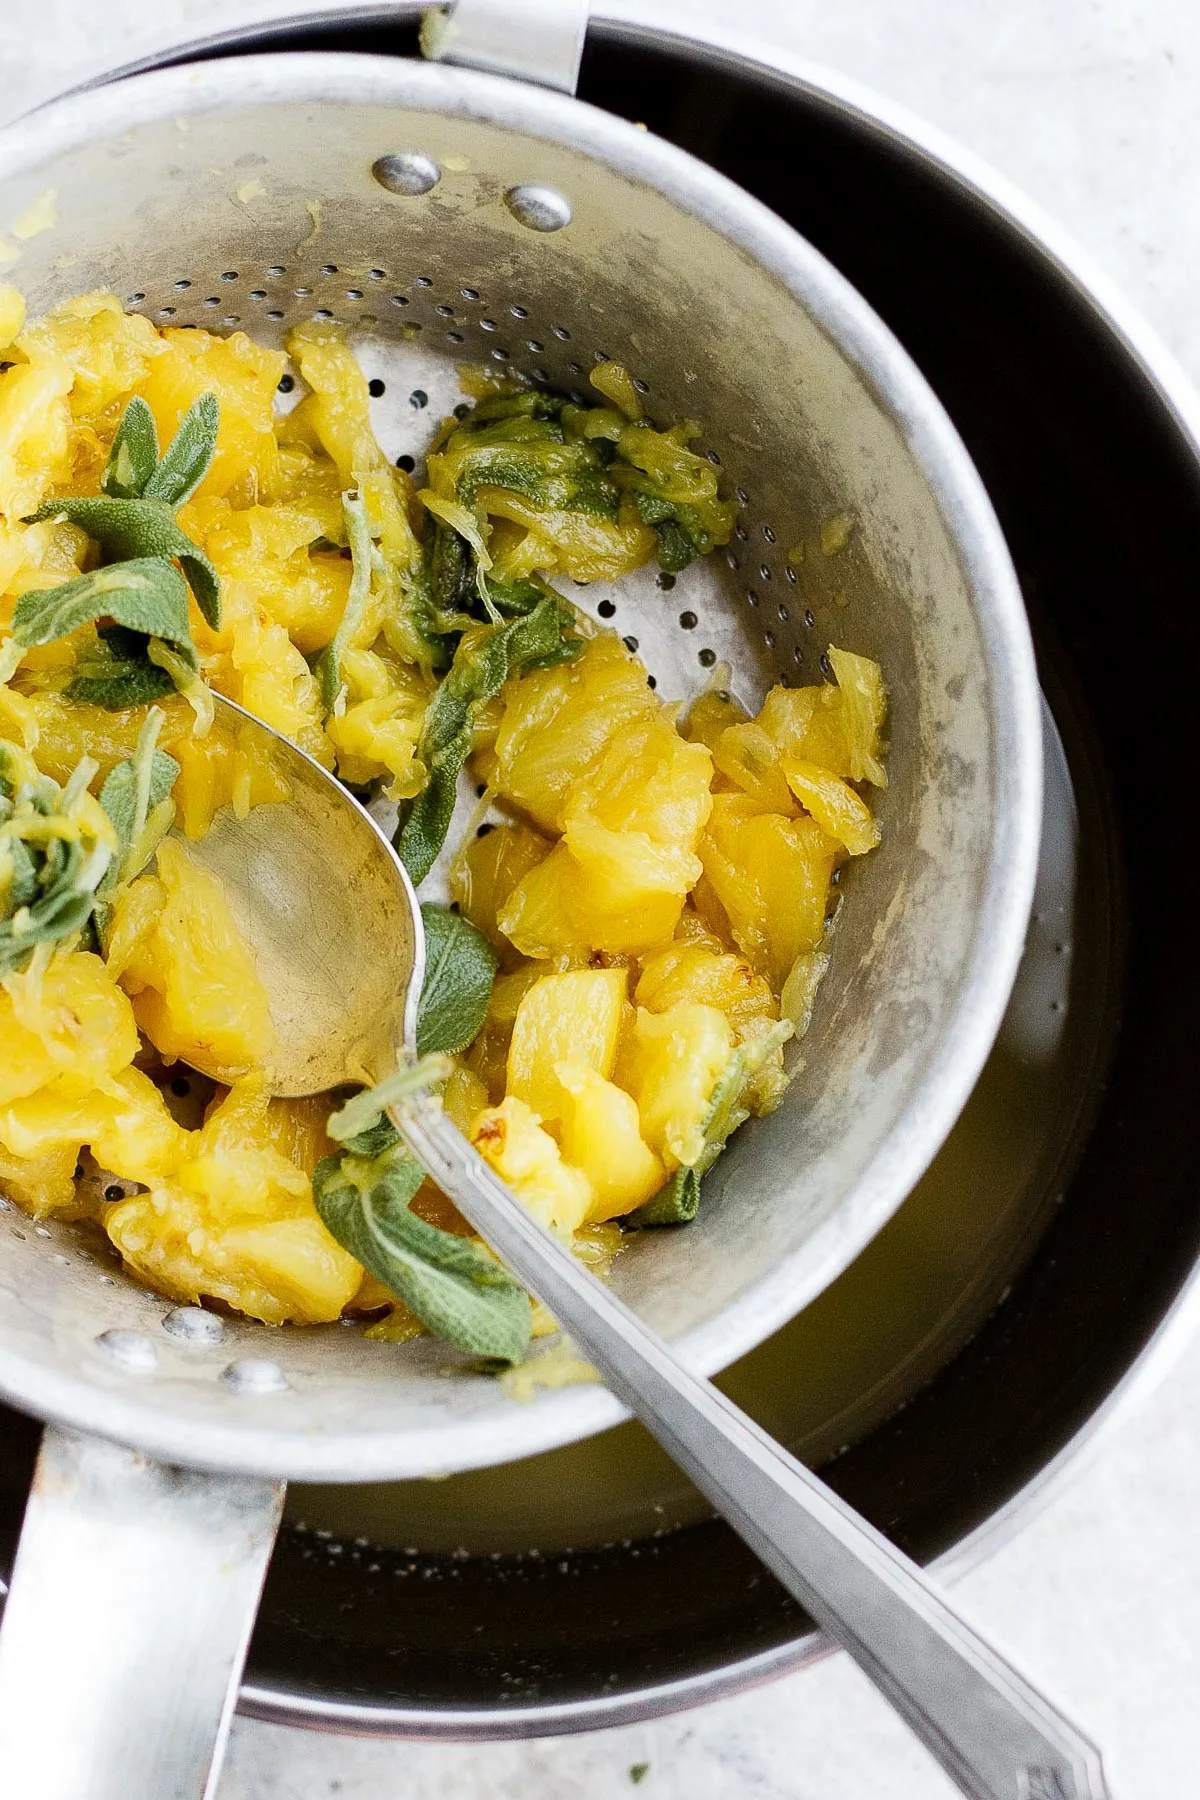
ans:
(329, 913)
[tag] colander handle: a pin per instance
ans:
(127, 1622)
(535, 40)
(988, 1726)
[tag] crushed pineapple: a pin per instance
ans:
(656, 891)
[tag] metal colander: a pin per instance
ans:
(443, 215)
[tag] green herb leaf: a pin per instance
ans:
(675, 1204)
(116, 672)
(134, 454)
(48, 880)
(187, 458)
(327, 664)
(360, 1113)
(453, 1286)
(145, 594)
(132, 795)
(678, 1201)
(460, 966)
(479, 670)
(137, 530)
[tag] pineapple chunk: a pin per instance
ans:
(41, 1185)
(196, 992)
(126, 1124)
(71, 1019)
(575, 1016)
(558, 722)
(709, 715)
(835, 728)
(244, 377)
(841, 813)
(695, 973)
(236, 1220)
(509, 1137)
(771, 877)
(601, 1134)
(484, 875)
(563, 909)
(864, 706)
(671, 1066)
(650, 784)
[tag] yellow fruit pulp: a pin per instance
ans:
(657, 891)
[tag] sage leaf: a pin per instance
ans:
(360, 1113)
(460, 966)
(137, 530)
(327, 664)
(116, 672)
(675, 1204)
(145, 594)
(678, 1202)
(52, 857)
(134, 454)
(135, 795)
(188, 456)
(453, 1286)
(482, 664)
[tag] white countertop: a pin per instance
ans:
(1093, 106)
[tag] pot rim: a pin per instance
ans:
(1123, 322)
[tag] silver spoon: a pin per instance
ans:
(330, 913)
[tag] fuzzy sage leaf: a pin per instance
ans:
(116, 671)
(454, 1287)
(327, 665)
(188, 456)
(134, 454)
(482, 664)
(138, 530)
(146, 595)
(137, 798)
(460, 967)
(55, 848)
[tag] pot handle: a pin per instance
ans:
(127, 1622)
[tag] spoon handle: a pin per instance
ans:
(990, 1729)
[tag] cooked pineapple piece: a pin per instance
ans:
(558, 722)
(841, 813)
(41, 1185)
(484, 875)
(771, 877)
(196, 992)
(105, 350)
(602, 1135)
(864, 707)
(338, 411)
(68, 1019)
(244, 376)
(649, 783)
(709, 715)
(266, 551)
(576, 1016)
(528, 1159)
(126, 1124)
(671, 1065)
(35, 435)
(696, 973)
(464, 1097)
(236, 1220)
(562, 909)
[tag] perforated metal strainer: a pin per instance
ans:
(445, 215)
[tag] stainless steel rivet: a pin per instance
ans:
(194, 1325)
(131, 1349)
(254, 1375)
(541, 208)
(406, 172)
